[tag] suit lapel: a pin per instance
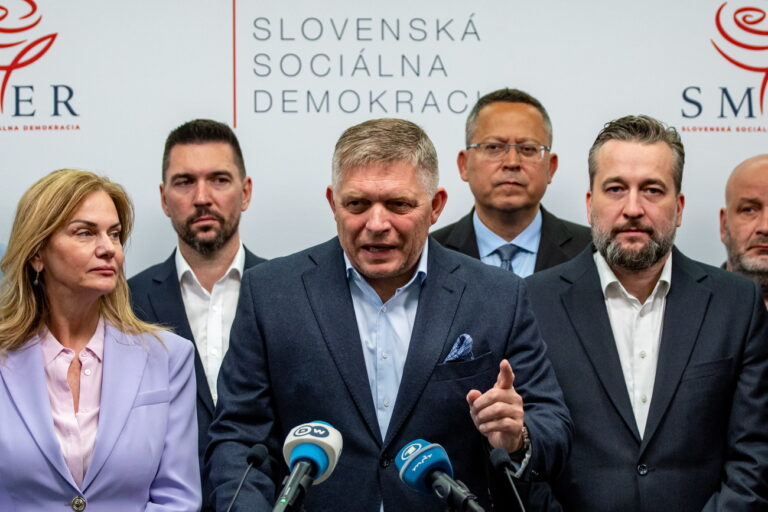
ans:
(585, 306)
(167, 304)
(124, 362)
(24, 377)
(440, 296)
(553, 236)
(166, 299)
(684, 313)
(327, 289)
(463, 237)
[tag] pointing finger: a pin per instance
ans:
(506, 376)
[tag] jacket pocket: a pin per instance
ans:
(708, 369)
(464, 369)
(152, 397)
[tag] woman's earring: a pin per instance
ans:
(37, 278)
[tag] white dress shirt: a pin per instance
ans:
(210, 315)
(637, 333)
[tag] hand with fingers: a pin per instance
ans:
(498, 413)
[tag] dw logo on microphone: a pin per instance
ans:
(311, 430)
(410, 450)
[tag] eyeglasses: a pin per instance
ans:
(497, 150)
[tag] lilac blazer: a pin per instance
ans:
(145, 455)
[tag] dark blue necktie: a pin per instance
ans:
(507, 252)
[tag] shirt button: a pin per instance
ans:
(385, 355)
(386, 403)
(642, 354)
(643, 398)
(78, 503)
(87, 371)
(383, 309)
(642, 469)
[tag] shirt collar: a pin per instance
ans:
(52, 348)
(488, 241)
(237, 265)
(418, 276)
(609, 279)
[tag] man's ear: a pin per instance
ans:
(329, 198)
(438, 203)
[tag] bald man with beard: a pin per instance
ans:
(744, 221)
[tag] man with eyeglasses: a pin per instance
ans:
(508, 164)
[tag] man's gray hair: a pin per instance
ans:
(505, 96)
(645, 130)
(386, 141)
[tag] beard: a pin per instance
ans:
(658, 245)
(740, 263)
(206, 247)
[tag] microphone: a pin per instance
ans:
(501, 462)
(424, 466)
(255, 456)
(311, 451)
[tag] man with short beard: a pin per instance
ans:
(744, 221)
(195, 291)
(663, 360)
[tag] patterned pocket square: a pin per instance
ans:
(461, 350)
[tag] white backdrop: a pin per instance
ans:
(135, 70)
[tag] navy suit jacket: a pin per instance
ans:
(295, 356)
(705, 446)
(560, 240)
(156, 298)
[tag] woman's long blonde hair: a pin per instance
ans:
(42, 210)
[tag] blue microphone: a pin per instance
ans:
(311, 451)
(425, 467)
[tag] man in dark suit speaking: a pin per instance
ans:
(663, 360)
(388, 337)
(508, 163)
(195, 291)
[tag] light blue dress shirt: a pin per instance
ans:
(385, 332)
(524, 260)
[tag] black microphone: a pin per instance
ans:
(424, 466)
(255, 456)
(501, 462)
(311, 451)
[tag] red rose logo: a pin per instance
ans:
(16, 18)
(748, 42)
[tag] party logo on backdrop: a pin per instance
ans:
(739, 45)
(24, 41)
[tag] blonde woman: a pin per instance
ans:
(97, 407)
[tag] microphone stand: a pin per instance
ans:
(295, 487)
(456, 500)
(500, 460)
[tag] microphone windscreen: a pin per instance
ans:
(257, 454)
(316, 442)
(500, 459)
(417, 460)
